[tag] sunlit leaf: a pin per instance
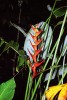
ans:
(7, 90)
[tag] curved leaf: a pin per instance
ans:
(19, 28)
(60, 11)
(1, 42)
(7, 90)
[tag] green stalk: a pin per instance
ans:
(58, 41)
(34, 86)
(27, 85)
(43, 69)
(49, 18)
(30, 86)
(63, 77)
(39, 79)
(63, 67)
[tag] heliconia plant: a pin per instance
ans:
(36, 63)
(37, 45)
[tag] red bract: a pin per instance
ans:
(33, 37)
(33, 56)
(34, 45)
(37, 42)
(35, 65)
(34, 28)
(36, 50)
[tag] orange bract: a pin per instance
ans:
(63, 93)
(52, 91)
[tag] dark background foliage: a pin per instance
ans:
(32, 11)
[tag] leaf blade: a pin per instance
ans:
(7, 90)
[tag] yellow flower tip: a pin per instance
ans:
(62, 98)
(34, 28)
(33, 37)
(38, 33)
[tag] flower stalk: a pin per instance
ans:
(37, 50)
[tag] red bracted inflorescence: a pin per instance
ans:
(36, 50)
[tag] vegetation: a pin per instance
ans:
(45, 49)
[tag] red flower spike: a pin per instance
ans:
(34, 75)
(33, 56)
(34, 45)
(35, 29)
(34, 71)
(33, 37)
(38, 41)
(38, 33)
(36, 64)
(38, 51)
(36, 25)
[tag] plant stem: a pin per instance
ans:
(26, 93)
(58, 41)
(48, 59)
(39, 79)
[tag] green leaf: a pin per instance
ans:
(5, 49)
(60, 11)
(7, 90)
(21, 52)
(19, 28)
(1, 42)
(20, 61)
(13, 44)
